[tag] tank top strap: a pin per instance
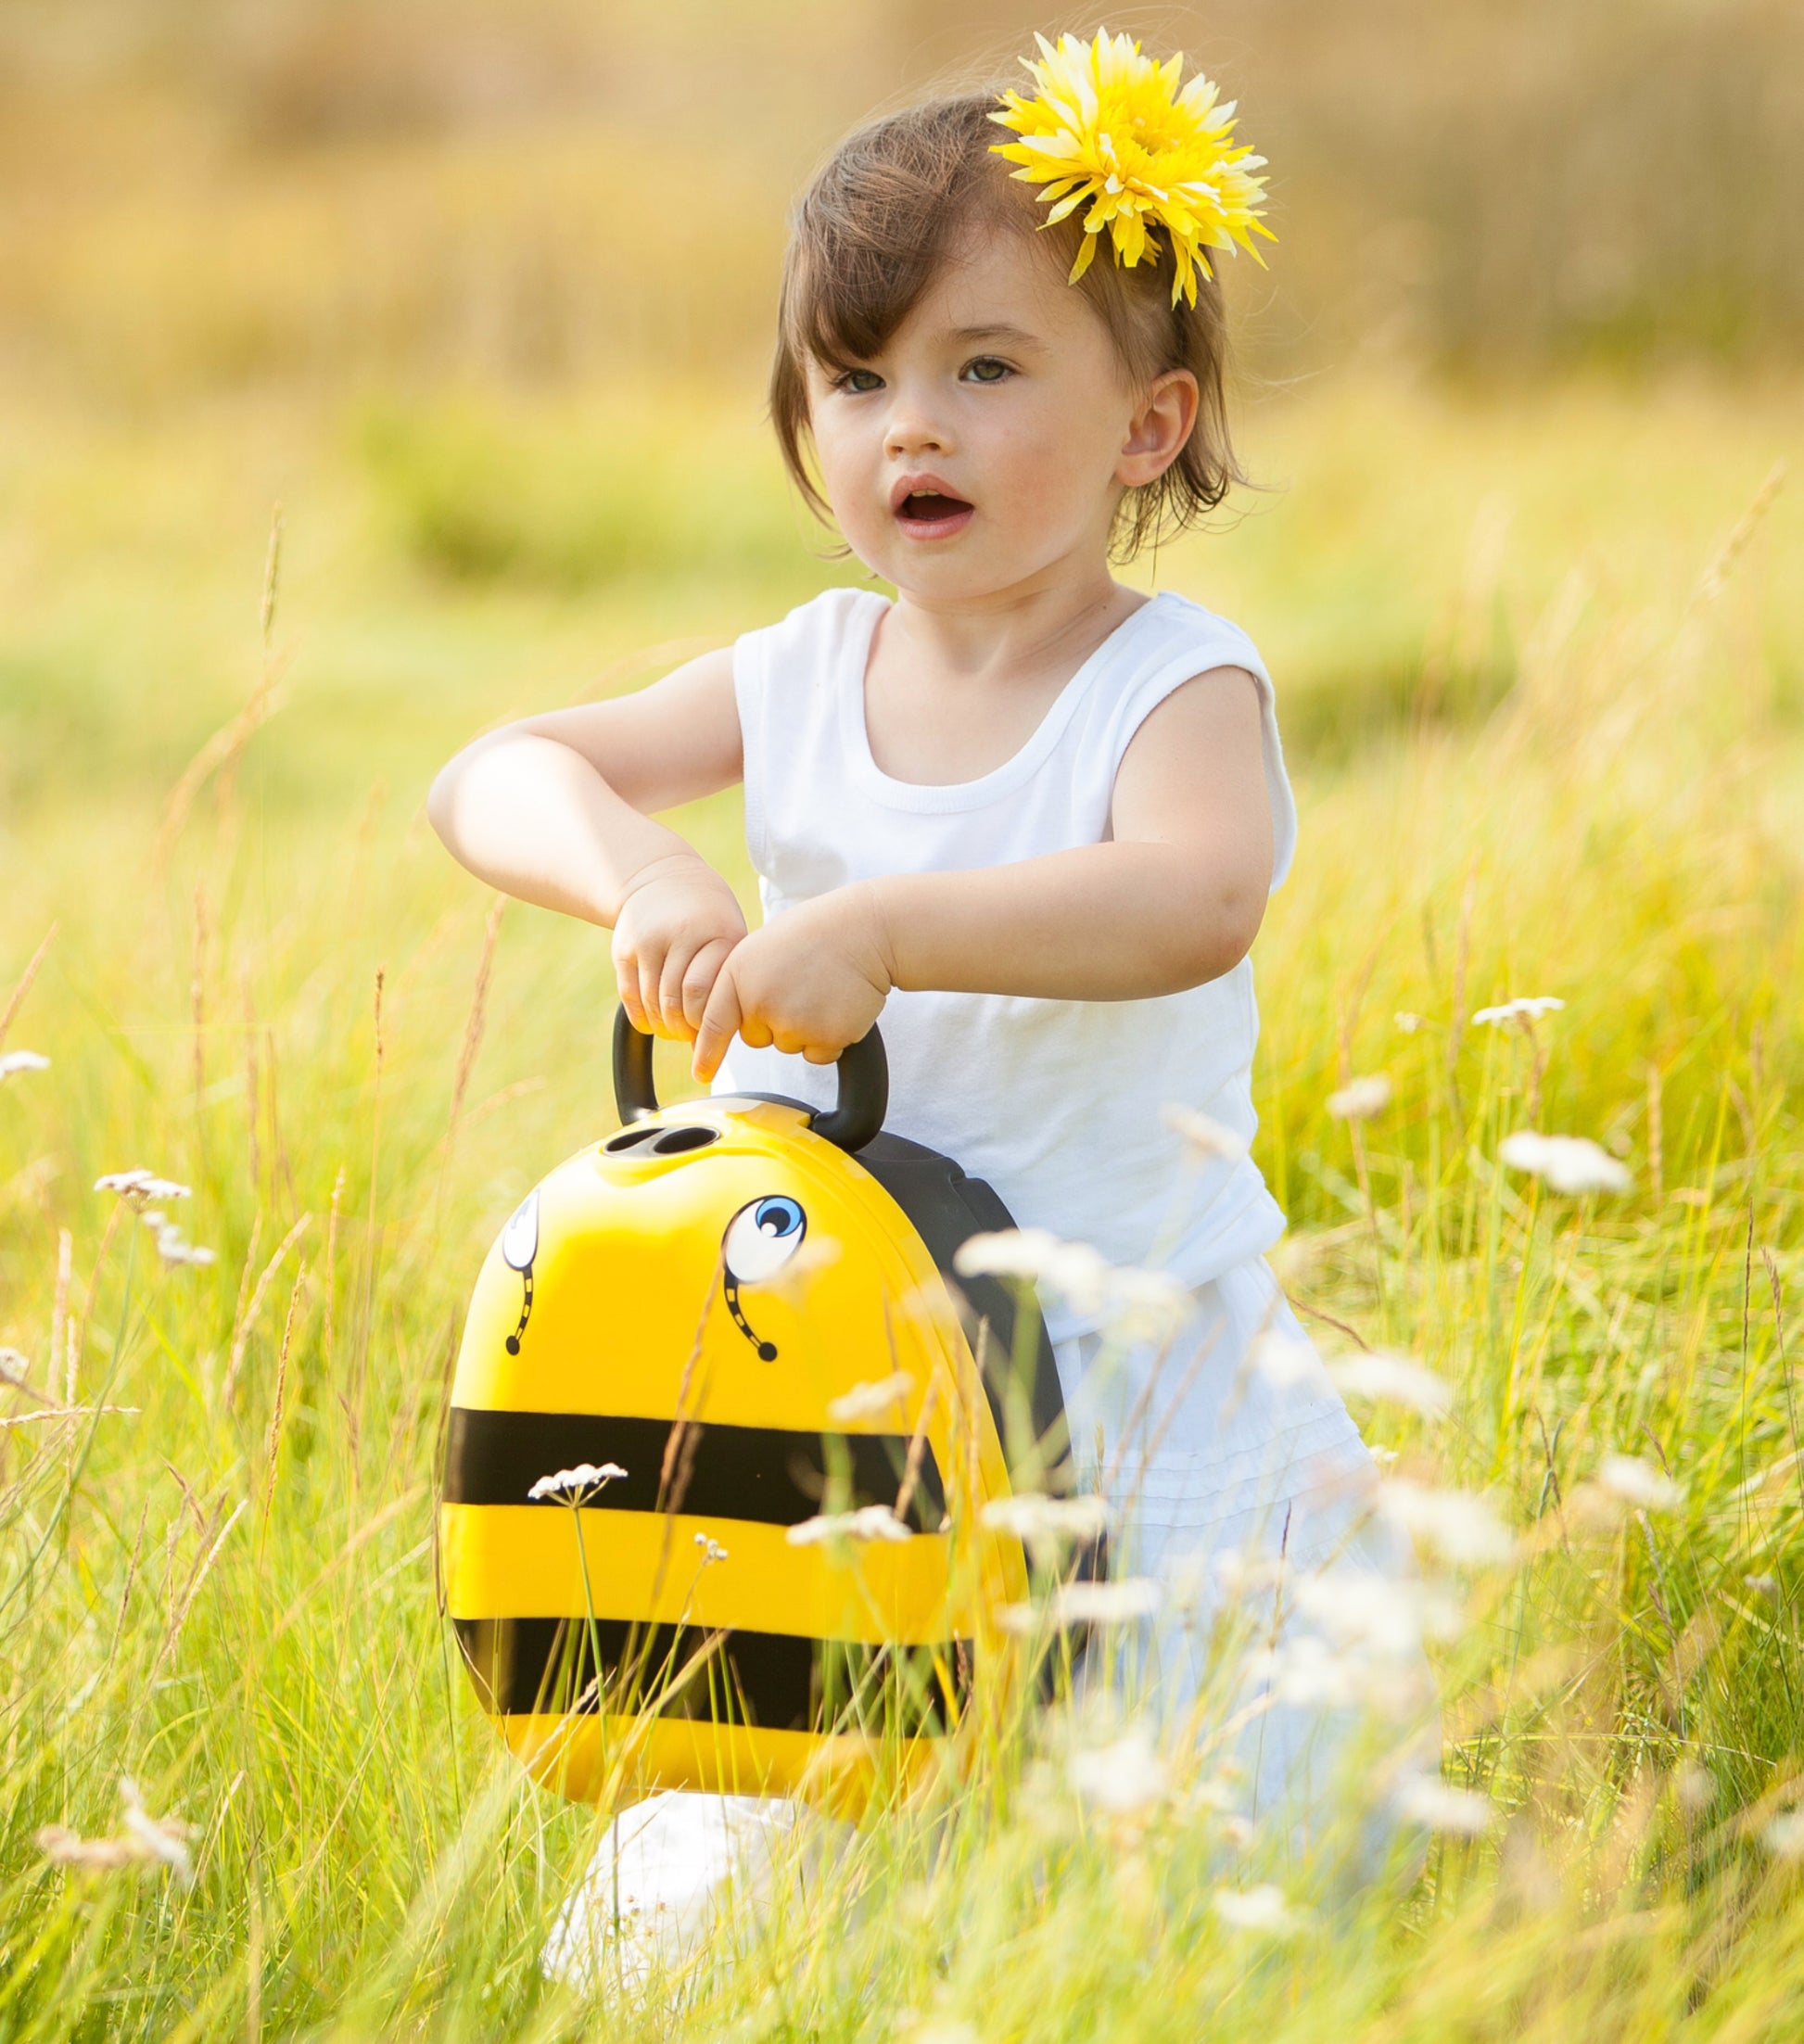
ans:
(788, 679)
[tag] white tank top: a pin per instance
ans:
(1058, 1104)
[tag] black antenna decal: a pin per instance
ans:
(766, 1350)
(519, 1250)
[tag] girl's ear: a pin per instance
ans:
(1160, 426)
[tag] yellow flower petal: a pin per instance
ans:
(1113, 129)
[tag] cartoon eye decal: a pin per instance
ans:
(520, 1237)
(759, 1240)
(519, 1248)
(762, 1237)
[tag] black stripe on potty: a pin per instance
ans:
(778, 1680)
(770, 1476)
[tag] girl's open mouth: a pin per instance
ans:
(930, 515)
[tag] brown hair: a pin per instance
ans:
(876, 224)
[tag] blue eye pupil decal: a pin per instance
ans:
(760, 1239)
(779, 1216)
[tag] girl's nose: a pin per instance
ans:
(914, 430)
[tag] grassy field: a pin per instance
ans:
(1540, 660)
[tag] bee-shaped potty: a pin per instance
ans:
(736, 1312)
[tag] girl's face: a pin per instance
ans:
(986, 448)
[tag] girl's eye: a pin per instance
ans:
(858, 382)
(987, 369)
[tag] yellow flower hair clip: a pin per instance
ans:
(1112, 130)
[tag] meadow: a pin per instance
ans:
(1540, 660)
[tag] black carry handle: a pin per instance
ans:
(851, 1122)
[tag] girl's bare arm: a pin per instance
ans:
(558, 810)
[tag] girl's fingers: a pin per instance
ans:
(673, 1015)
(718, 1026)
(698, 980)
(626, 980)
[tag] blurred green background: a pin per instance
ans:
(483, 293)
(207, 194)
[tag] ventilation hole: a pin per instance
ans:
(674, 1141)
(630, 1139)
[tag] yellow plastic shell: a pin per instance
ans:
(612, 1298)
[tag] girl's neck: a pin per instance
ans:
(1022, 632)
(954, 688)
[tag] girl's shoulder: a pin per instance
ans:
(1170, 630)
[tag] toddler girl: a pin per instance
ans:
(1024, 813)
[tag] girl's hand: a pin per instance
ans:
(813, 980)
(676, 925)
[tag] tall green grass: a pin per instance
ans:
(224, 1588)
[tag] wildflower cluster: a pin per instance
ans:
(579, 1485)
(868, 1523)
(1131, 1303)
(139, 1187)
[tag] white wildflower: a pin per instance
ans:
(872, 1400)
(1306, 1671)
(1784, 1837)
(1205, 1137)
(1139, 1305)
(1262, 1909)
(1072, 1270)
(1119, 1603)
(172, 1246)
(712, 1550)
(870, 1522)
(1692, 1786)
(1461, 1527)
(1568, 1164)
(584, 1481)
(161, 1840)
(1374, 1614)
(1426, 1799)
(1638, 1482)
(1382, 1672)
(1359, 1099)
(1215, 1793)
(1243, 1572)
(793, 1278)
(1408, 1022)
(1394, 1379)
(22, 1061)
(1048, 1522)
(1123, 1778)
(141, 1188)
(1284, 1358)
(1525, 1007)
(1145, 1305)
